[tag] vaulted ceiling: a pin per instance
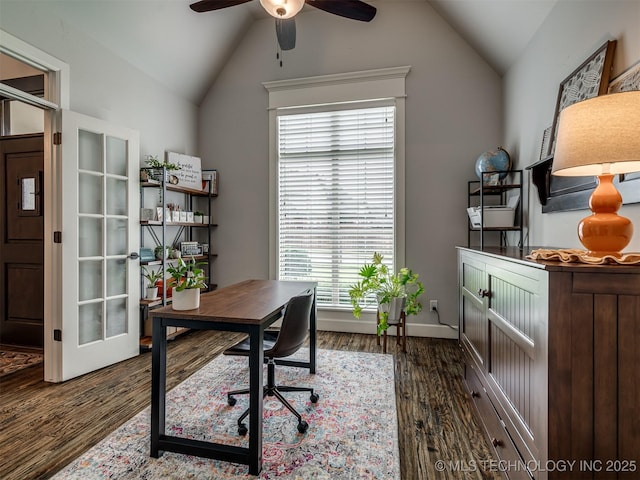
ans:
(185, 50)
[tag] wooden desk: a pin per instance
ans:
(250, 307)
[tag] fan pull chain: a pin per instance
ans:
(279, 54)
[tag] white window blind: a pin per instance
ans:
(335, 196)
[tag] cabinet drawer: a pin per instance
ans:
(509, 460)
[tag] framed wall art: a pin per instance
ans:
(627, 81)
(589, 80)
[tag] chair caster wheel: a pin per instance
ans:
(314, 398)
(242, 429)
(303, 426)
(231, 401)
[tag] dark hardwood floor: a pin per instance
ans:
(44, 426)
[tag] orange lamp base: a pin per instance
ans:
(605, 232)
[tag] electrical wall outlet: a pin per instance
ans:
(433, 305)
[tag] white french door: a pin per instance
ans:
(100, 238)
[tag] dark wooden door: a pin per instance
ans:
(21, 241)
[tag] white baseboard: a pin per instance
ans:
(368, 327)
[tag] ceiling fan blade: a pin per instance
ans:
(208, 5)
(286, 33)
(353, 9)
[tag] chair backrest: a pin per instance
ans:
(295, 326)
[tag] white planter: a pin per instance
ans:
(187, 299)
(152, 293)
(393, 308)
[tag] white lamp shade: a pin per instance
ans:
(600, 135)
(282, 8)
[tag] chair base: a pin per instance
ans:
(401, 332)
(272, 390)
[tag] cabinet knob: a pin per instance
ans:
(475, 394)
(483, 293)
(497, 443)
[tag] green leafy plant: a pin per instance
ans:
(153, 162)
(187, 274)
(379, 283)
(152, 276)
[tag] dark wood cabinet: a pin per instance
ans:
(551, 363)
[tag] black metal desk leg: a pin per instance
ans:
(255, 400)
(158, 383)
(312, 335)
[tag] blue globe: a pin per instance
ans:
(494, 161)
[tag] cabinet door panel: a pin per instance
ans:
(473, 328)
(517, 326)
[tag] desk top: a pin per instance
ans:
(248, 302)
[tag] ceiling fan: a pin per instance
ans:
(284, 12)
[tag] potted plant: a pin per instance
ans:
(152, 277)
(188, 279)
(162, 253)
(393, 292)
(155, 167)
(197, 217)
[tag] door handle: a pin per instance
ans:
(133, 256)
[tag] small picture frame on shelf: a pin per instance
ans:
(190, 248)
(210, 176)
(146, 214)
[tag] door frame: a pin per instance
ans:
(57, 90)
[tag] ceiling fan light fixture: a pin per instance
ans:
(282, 8)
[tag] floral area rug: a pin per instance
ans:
(353, 429)
(13, 361)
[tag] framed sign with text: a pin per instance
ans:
(189, 174)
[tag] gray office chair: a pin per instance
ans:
(291, 337)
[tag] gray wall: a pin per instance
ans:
(571, 33)
(454, 113)
(103, 85)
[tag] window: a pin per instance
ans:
(336, 203)
(336, 167)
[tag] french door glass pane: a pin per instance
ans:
(116, 317)
(89, 323)
(89, 151)
(116, 156)
(90, 193)
(90, 280)
(90, 237)
(116, 236)
(116, 277)
(116, 196)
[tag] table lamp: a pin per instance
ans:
(601, 136)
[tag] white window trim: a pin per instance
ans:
(364, 86)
